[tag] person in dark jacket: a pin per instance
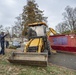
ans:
(7, 44)
(2, 40)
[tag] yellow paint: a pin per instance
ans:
(38, 42)
(54, 51)
(51, 30)
(34, 42)
(40, 45)
(27, 45)
(37, 23)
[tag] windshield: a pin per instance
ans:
(39, 30)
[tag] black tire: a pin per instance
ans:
(47, 45)
(49, 48)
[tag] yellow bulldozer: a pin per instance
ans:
(37, 49)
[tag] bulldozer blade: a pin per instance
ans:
(31, 59)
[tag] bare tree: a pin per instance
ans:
(70, 17)
(69, 23)
(18, 28)
(61, 27)
(1, 28)
(7, 30)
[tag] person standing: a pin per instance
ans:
(2, 41)
(7, 44)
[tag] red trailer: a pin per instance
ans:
(65, 43)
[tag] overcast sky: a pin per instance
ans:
(53, 9)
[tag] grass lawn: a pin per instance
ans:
(7, 68)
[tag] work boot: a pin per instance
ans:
(3, 53)
(0, 52)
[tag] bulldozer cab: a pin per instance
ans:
(37, 29)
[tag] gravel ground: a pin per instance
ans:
(63, 59)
